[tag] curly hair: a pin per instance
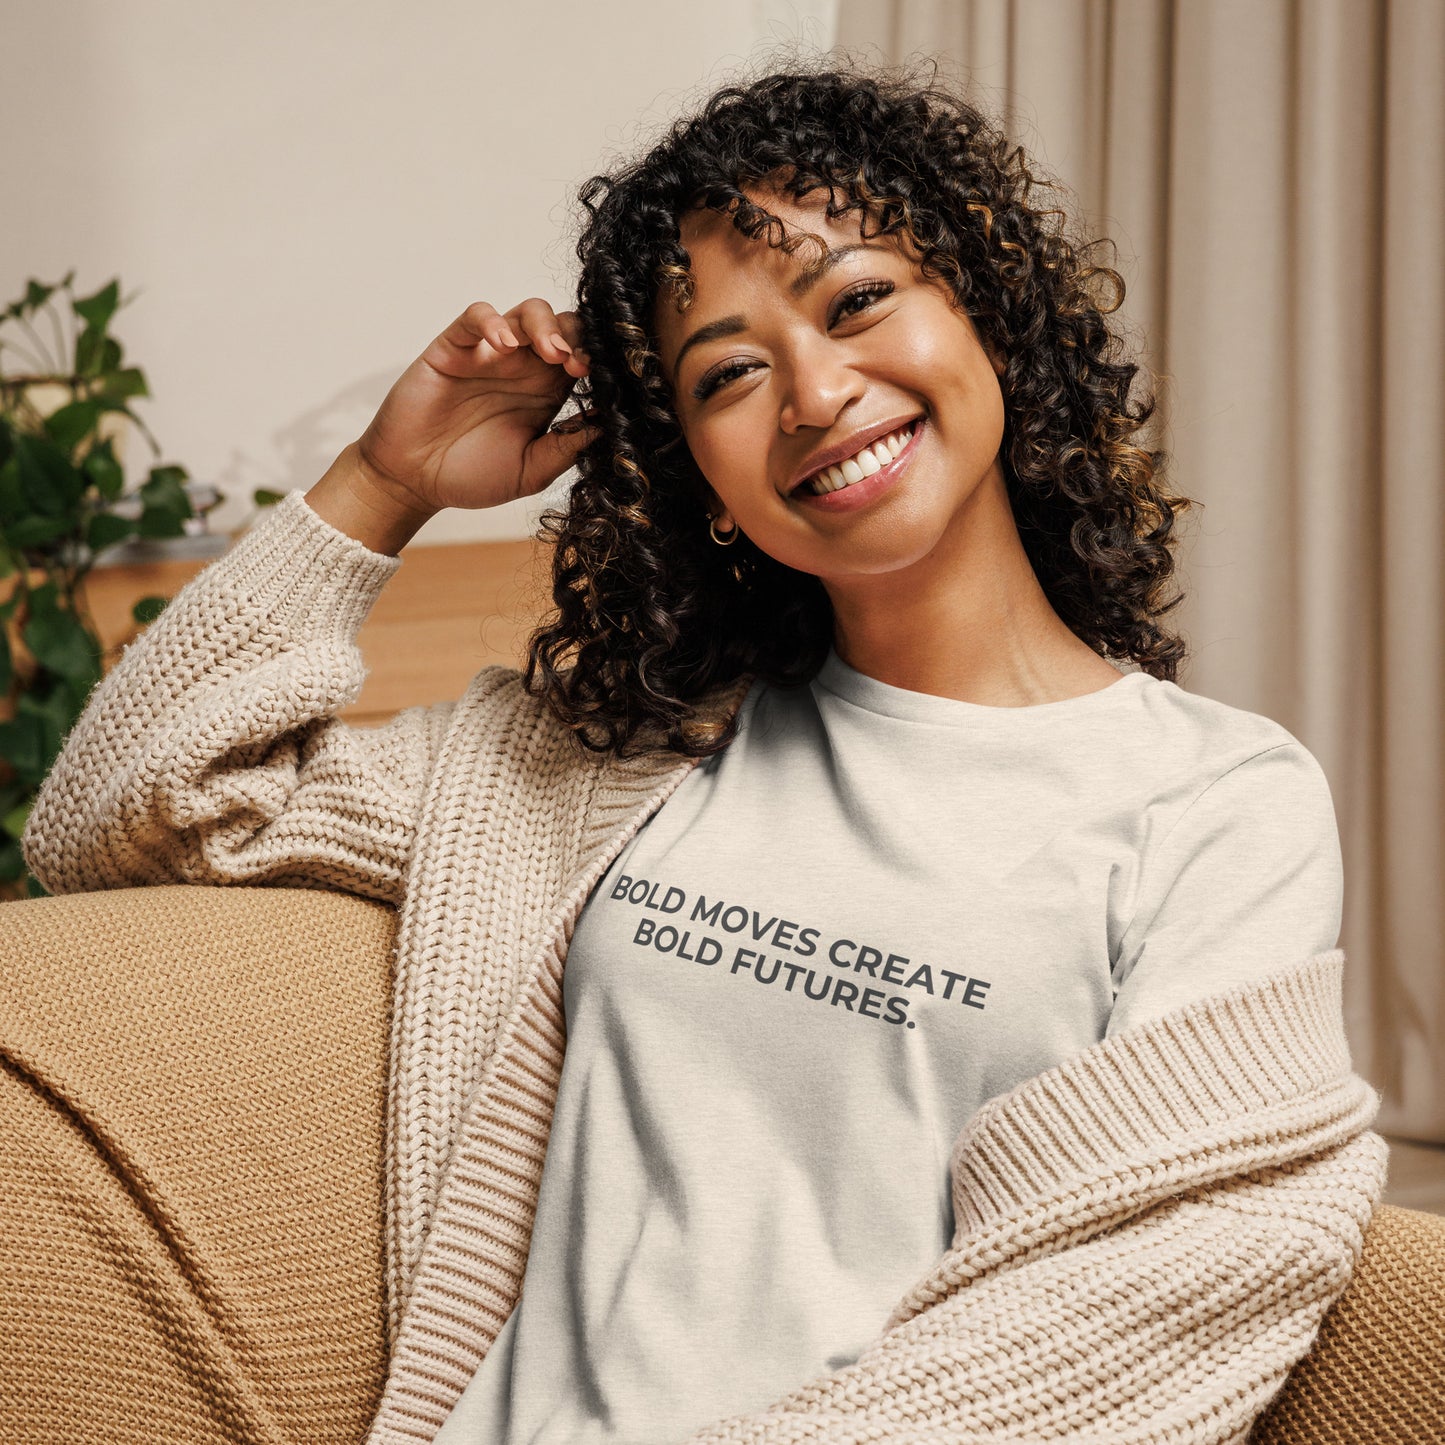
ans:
(649, 614)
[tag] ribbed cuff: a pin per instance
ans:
(1250, 1051)
(301, 567)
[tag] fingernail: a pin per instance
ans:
(508, 337)
(557, 341)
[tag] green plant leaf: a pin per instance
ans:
(53, 708)
(105, 529)
(36, 295)
(12, 794)
(44, 598)
(7, 670)
(148, 609)
(35, 531)
(161, 522)
(13, 822)
(125, 383)
(264, 498)
(96, 354)
(90, 352)
(166, 482)
(60, 642)
(71, 423)
(101, 467)
(12, 861)
(51, 484)
(12, 493)
(97, 310)
(71, 697)
(22, 745)
(167, 507)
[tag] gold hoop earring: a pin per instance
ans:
(724, 541)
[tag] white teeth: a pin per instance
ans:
(871, 459)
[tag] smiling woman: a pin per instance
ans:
(782, 403)
(808, 266)
(821, 373)
(833, 999)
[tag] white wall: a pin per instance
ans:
(301, 195)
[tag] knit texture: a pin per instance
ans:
(1148, 1235)
(1376, 1371)
(191, 1123)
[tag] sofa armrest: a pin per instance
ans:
(192, 1112)
(1376, 1371)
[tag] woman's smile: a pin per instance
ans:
(840, 406)
(860, 480)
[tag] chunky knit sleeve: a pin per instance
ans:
(1148, 1238)
(210, 752)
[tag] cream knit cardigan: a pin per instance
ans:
(1148, 1235)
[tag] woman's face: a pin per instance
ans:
(778, 367)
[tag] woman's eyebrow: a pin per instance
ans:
(713, 331)
(811, 275)
(815, 273)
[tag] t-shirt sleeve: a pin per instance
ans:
(1249, 880)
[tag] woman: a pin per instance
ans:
(950, 1018)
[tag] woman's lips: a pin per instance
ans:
(860, 494)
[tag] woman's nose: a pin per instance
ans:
(819, 382)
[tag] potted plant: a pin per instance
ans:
(65, 409)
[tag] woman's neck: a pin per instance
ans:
(968, 621)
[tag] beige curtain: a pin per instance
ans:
(1274, 174)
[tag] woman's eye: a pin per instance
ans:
(866, 294)
(715, 379)
(851, 303)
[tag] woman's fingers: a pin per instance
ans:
(481, 321)
(569, 324)
(482, 333)
(552, 336)
(476, 338)
(552, 452)
(537, 319)
(571, 327)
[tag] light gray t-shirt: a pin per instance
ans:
(873, 911)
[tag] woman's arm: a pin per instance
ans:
(1149, 1236)
(210, 753)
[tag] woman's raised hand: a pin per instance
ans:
(467, 423)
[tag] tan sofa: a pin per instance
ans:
(191, 1175)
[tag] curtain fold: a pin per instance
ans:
(1273, 174)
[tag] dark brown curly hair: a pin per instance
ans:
(650, 614)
